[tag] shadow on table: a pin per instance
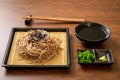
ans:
(97, 67)
(33, 71)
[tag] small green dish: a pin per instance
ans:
(101, 56)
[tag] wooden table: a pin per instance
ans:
(106, 12)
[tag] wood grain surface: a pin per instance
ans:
(106, 12)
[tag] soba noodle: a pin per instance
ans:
(38, 46)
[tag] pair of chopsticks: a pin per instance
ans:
(54, 19)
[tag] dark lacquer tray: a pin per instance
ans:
(62, 60)
(98, 53)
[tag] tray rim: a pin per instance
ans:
(9, 43)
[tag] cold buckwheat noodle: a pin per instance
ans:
(38, 46)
